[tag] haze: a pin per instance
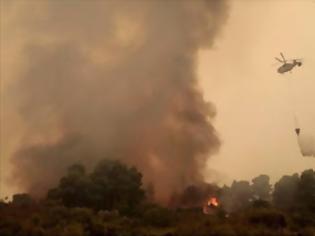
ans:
(255, 105)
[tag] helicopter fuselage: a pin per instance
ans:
(288, 66)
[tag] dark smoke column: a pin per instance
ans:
(115, 79)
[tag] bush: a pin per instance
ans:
(267, 217)
(75, 229)
(158, 216)
(22, 200)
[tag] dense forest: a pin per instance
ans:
(112, 200)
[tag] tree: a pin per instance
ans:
(22, 200)
(111, 185)
(285, 192)
(237, 196)
(73, 188)
(241, 193)
(306, 190)
(192, 196)
(115, 186)
(261, 187)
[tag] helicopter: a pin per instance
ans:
(286, 67)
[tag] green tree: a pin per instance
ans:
(241, 193)
(22, 200)
(111, 185)
(73, 188)
(238, 196)
(261, 187)
(306, 190)
(116, 186)
(285, 192)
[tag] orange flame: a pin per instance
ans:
(213, 201)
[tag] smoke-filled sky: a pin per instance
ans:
(86, 80)
(255, 105)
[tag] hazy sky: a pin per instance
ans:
(255, 104)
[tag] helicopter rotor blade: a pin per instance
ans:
(295, 59)
(279, 60)
(282, 57)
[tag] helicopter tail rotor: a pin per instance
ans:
(298, 62)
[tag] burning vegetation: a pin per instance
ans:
(111, 201)
(112, 85)
(213, 202)
(211, 205)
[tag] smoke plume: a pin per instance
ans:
(113, 79)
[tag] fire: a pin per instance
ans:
(213, 202)
(210, 206)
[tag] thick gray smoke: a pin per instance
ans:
(114, 79)
(307, 144)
